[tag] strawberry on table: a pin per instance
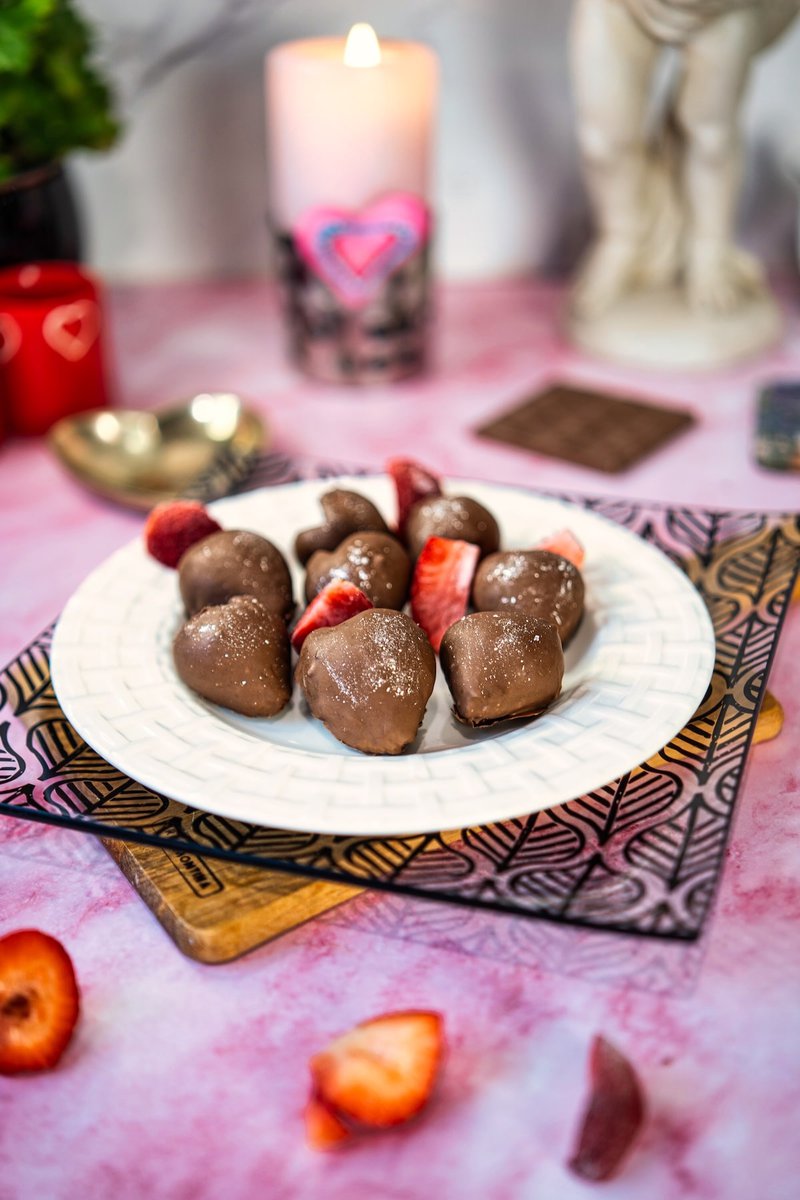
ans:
(382, 1072)
(39, 1001)
(441, 585)
(337, 602)
(174, 526)
(613, 1115)
(412, 482)
(566, 545)
(324, 1130)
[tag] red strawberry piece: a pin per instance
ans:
(174, 526)
(613, 1115)
(382, 1072)
(412, 483)
(441, 585)
(338, 601)
(39, 1001)
(324, 1130)
(566, 544)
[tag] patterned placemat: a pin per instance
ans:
(642, 855)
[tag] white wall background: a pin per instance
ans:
(184, 193)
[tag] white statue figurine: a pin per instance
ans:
(664, 282)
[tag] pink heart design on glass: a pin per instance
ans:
(71, 329)
(354, 253)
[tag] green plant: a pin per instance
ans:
(51, 98)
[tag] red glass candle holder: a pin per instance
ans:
(51, 353)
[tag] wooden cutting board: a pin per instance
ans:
(216, 910)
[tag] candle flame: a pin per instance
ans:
(362, 48)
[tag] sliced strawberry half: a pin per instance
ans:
(382, 1072)
(613, 1115)
(174, 526)
(324, 1130)
(441, 585)
(39, 1001)
(566, 544)
(337, 602)
(412, 482)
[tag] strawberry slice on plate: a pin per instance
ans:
(613, 1115)
(412, 482)
(566, 545)
(324, 1130)
(441, 585)
(383, 1071)
(39, 1001)
(337, 602)
(174, 526)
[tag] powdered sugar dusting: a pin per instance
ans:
(369, 679)
(376, 563)
(458, 517)
(501, 664)
(385, 659)
(532, 581)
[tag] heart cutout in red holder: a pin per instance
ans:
(354, 253)
(72, 329)
(10, 338)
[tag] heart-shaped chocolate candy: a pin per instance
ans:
(369, 679)
(456, 517)
(501, 665)
(237, 655)
(534, 582)
(345, 513)
(375, 562)
(235, 563)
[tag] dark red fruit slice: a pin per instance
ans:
(613, 1115)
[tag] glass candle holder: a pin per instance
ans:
(350, 127)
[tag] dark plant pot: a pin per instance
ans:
(38, 217)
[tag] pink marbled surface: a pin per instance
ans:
(188, 1081)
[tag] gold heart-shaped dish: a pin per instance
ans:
(202, 447)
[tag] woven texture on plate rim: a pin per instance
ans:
(642, 661)
(642, 855)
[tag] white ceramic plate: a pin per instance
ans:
(637, 670)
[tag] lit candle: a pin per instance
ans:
(350, 127)
(347, 121)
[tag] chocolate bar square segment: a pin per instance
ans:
(591, 429)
